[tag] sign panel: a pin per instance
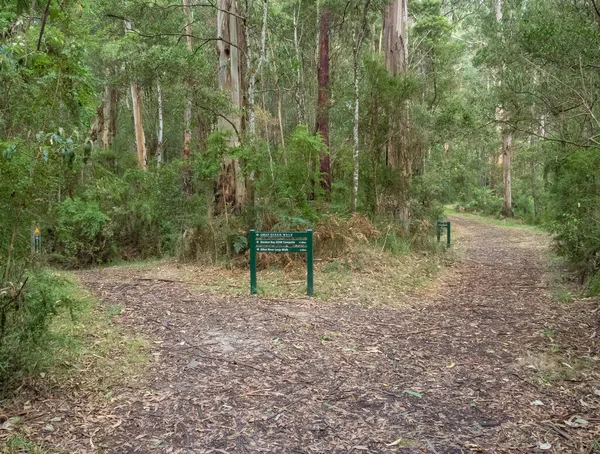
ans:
(291, 242)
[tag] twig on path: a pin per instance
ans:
(161, 280)
(362, 440)
(433, 450)
(560, 432)
(397, 396)
(426, 330)
(287, 407)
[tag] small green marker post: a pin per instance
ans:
(309, 262)
(440, 226)
(253, 262)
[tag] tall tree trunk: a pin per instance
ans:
(506, 163)
(322, 117)
(109, 126)
(357, 38)
(395, 36)
(136, 107)
(355, 148)
(254, 73)
(395, 45)
(160, 146)
(298, 92)
(187, 113)
(506, 141)
(140, 139)
(232, 183)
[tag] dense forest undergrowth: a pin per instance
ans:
(144, 130)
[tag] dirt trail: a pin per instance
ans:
(454, 372)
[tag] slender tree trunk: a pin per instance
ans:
(160, 147)
(254, 73)
(232, 182)
(109, 116)
(279, 107)
(298, 92)
(355, 147)
(187, 113)
(506, 164)
(140, 139)
(106, 118)
(322, 117)
(357, 38)
(506, 142)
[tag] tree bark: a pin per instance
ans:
(136, 107)
(506, 164)
(355, 147)
(140, 139)
(395, 35)
(322, 117)
(187, 113)
(395, 44)
(298, 92)
(254, 73)
(160, 147)
(109, 116)
(506, 142)
(232, 183)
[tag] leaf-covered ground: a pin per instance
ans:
(488, 362)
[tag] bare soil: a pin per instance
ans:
(486, 362)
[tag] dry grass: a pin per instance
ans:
(367, 275)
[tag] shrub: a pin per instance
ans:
(83, 233)
(27, 306)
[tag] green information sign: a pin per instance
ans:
(440, 226)
(298, 242)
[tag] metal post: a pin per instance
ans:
(439, 232)
(448, 232)
(309, 262)
(253, 262)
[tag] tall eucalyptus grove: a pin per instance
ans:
(174, 125)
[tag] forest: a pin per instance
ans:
(135, 130)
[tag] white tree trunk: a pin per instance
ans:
(159, 148)
(506, 163)
(140, 139)
(355, 148)
(136, 107)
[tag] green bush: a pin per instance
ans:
(83, 233)
(27, 305)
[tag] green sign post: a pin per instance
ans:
(301, 242)
(440, 226)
